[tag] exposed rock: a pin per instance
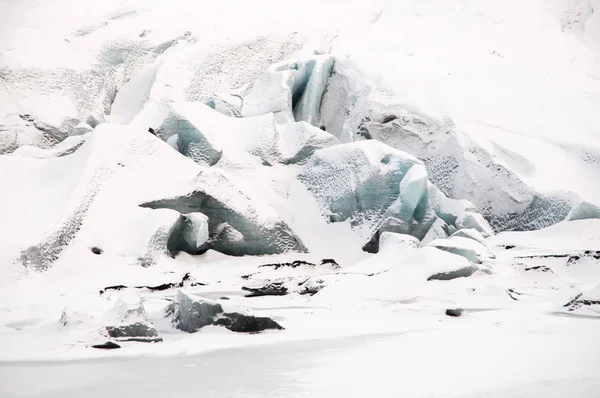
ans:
(312, 285)
(185, 280)
(458, 273)
(297, 263)
(139, 331)
(268, 289)
(191, 313)
(455, 312)
(241, 323)
(109, 345)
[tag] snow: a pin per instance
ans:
(300, 139)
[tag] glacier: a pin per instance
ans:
(252, 192)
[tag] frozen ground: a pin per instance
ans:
(487, 117)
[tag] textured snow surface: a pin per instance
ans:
(345, 170)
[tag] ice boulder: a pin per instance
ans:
(191, 313)
(468, 248)
(240, 221)
(189, 234)
(378, 188)
(127, 321)
(440, 265)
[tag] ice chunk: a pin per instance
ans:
(239, 222)
(189, 234)
(468, 248)
(191, 313)
(128, 322)
(470, 233)
(440, 265)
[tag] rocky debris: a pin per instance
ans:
(297, 263)
(458, 273)
(109, 345)
(540, 268)
(128, 322)
(268, 289)
(587, 300)
(312, 285)
(241, 323)
(455, 312)
(186, 278)
(191, 313)
(572, 258)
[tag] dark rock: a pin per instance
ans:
(508, 247)
(459, 273)
(455, 312)
(109, 345)
(269, 289)
(541, 268)
(311, 286)
(246, 324)
(293, 264)
(139, 331)
(96, 250)
(330, 261)
(157, 288)
(151, 130)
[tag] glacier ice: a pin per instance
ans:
(204, 135)
(464, 168)
(292, 90)
(378, 188)
(239, 222)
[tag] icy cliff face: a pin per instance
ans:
(188, 125)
